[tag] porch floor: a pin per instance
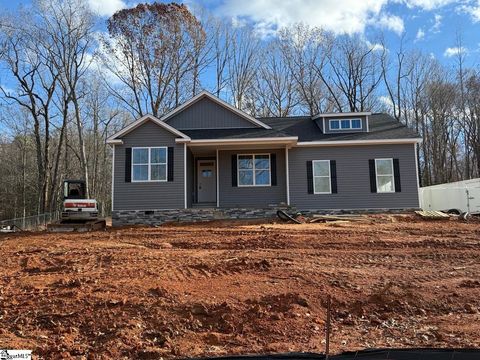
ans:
(204, 205)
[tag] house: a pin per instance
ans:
(206, 159)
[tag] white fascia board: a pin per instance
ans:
(358, 142)
(253, 141)
(115, 142)
(219, 101)
(141, 121)
(344, 114)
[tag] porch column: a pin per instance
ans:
(288, 175)
(217, 177)
(185, 175)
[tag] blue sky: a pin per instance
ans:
(430, 25)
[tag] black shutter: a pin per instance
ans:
(373, 176)
(309, 177)
(170, 164)
(234, 171)
(333, 176)
(273, 168)
(128, 165)
(396, 174)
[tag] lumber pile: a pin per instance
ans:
(432, 215)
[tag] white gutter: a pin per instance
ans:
(344, 114)
(115, 142)
(246, 141)
(358, 142)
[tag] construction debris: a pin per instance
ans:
(301, 219)
(433, 215)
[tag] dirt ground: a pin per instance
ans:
(226, 287)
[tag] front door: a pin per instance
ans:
(206, 181)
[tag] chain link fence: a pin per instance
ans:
(35, 222)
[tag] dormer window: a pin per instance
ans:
(345, 124)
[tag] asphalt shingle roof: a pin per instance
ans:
(381, 127)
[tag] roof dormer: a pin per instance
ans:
(342, 123)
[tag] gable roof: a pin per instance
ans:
(114, 139)
(206, 94)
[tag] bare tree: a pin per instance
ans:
(276, 85)
(304, 53)
(35, 80)
(151, 49)
(353, 73)
(242, 67)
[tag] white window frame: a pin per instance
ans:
(376, 176)
(253, 169)
(322, 176)
(149, 148)
(340, 124)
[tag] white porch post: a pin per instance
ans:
(217, 176)
(185, 174)
(288, 175)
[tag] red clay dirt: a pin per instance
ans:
(236, 287)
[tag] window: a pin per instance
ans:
(207, 173)
(334, 124)
(321, 177)
(385, 175)
(254, 170)
(149, 164)
(345, 124)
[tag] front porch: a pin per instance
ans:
(216, 179)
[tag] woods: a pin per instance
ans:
(69, 79)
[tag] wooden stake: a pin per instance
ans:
(327, 330)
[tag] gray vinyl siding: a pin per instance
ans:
(353, 177)
(206, 114)
(255, 197)
(148, 195)
(327, 127)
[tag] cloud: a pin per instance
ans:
(437, 23)
(339, 16)
(106, 7)
(454, 51)
(390, 22)
(472, 10)
(386, 101)
(375, 46)
(427, 4)
(420, 35)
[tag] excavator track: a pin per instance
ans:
(77, 226)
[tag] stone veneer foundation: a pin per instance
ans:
(157, 217)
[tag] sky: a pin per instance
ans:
(431, 25)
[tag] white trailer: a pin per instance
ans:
(456, 197)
